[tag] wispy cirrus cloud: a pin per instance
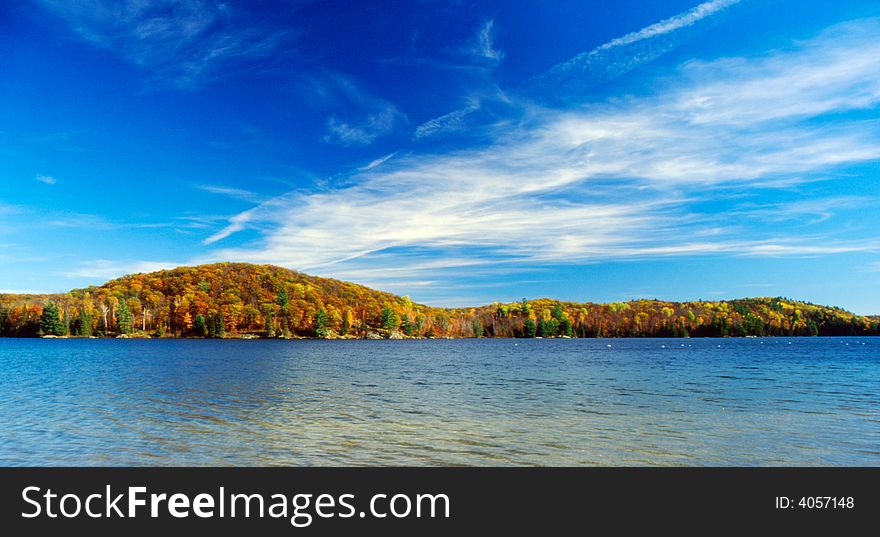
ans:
(106, 269)
(619, 56)
(375, 163)
(356, 117)
(235, 193)
(364, 130)
(454, 121)
(612, 180)
(181, 42)
(19, 292)
(570, 80)
(45, 179)
(482, 86)
(807, 212)
(235, 224)
(484, 47)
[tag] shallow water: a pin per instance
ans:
(768, 401)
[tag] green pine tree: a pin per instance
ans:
(529, 328)
(409, 328)
(478, 328)
(346, 325)
(558, 312)
(200, 326)
(270, 322)
(565, 327)
(84, 324)
(50, 321)
(212, 327)
(123, 318)
(389, 319)
(283, 298)
(221, 326)
(284, 301)
(322, 322)
(547, 327)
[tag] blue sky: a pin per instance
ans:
(457, 152)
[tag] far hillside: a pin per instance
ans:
(246, 300)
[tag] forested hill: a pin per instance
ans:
(244, 300)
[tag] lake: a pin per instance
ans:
(767, 401)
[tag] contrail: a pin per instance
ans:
(589, 69)
(620, 55)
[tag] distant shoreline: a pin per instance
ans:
(417, 338)
(242, 300)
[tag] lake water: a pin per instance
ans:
(769, 401)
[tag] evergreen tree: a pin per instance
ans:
(322, 321)
(409, 328)
(529, 328)
(200, 325)
(346, 324)
(221, 326)
(4, 322)
(50, 321)
(565, 327)
(389, 319)
(284, 301)
(84, 324)
(563, 324)
(270, 322)
(547, 327)
(283, 298)
(123, 318)
(478, 328)
(212, 326)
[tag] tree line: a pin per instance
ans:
(244, 300)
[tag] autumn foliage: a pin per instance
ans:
(244, 300)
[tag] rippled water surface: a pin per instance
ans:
(806, 401)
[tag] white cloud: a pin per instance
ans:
(377, 162)
(623, 54)
(485, 47)
(357, 117)
(811, 211)
(46, 179)
(847, 80)
(180, 41)
(366, 130)
(235, 224)
(571, 79)
(19, 292)
(452, 122)
(612, 180)
(235, 193)
(103, 269)
(672, 24)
